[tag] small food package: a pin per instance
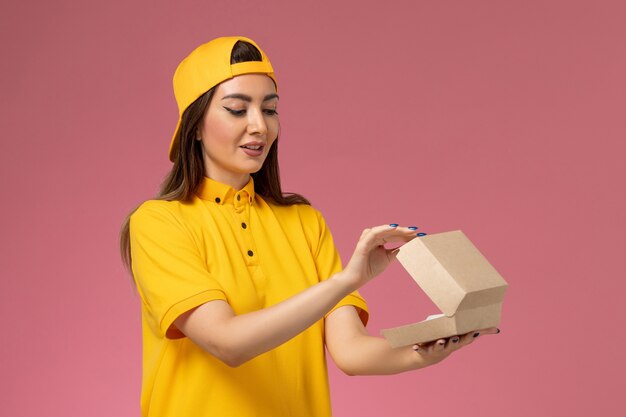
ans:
(458, 279)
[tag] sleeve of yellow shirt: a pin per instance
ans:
(171, 275)
(328, 263)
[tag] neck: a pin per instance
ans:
(235, 181)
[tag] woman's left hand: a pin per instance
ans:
(434, 352)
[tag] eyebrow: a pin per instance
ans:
(247, 98)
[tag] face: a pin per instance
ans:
(239, 127)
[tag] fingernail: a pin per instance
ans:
(393, 225)
(498, 331)
(476, 334)
(455, 340)
(421, 234)
(413, 227)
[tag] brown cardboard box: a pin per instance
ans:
(459, 280)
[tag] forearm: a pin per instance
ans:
(371, 355)
(238, 338)
(357, 353)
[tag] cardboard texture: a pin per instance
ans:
(459, 280)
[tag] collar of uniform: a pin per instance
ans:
(221, 193)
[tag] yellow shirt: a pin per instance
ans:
(234, 246)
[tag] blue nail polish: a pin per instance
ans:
(413, 227)
(421, 234)
(393, 225)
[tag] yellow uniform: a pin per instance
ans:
(234, 246)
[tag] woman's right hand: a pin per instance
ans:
(371, 257)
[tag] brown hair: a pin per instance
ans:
(187, 173)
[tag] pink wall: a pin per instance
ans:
(503, 119)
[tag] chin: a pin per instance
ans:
(250, 169)
(254, 167)
(255, 170)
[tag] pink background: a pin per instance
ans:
(501, 118)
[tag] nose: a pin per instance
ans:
(256, 122)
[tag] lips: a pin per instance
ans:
(253, 147)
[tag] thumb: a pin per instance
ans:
(391, 254)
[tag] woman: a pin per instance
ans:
(242, 287)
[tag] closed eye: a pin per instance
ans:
(269, 112)
(235, 112)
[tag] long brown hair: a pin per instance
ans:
(187, 173)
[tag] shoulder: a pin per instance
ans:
(158, 214)
(154, 209)
(305, 219)
(306, 214)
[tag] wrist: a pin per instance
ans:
(347, 281)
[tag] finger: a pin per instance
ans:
(454, 343)
(467, 338)
(470, 337)
(391, 234)
(392, 254)
(439, 345)
(393, 251)
(481, 332)
(424, 351)
(392, 243)
(402, 237)
(380, 235)
(390, 229)
(424, 348)
(490, 330)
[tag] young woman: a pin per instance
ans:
(241, 286)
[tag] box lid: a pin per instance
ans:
(452, 271)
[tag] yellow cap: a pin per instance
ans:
(207, 66)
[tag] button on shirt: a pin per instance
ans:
(239, 247)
